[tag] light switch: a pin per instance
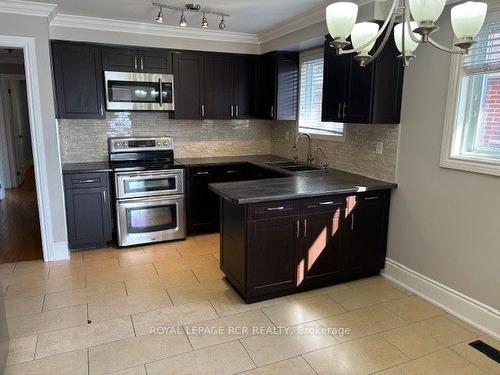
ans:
(287, 136)
(380, 148)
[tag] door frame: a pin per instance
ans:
(36, 125)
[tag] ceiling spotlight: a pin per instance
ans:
(183, 22)
(159, 18)
(222, 24)
(204, 22)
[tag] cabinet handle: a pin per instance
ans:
(201, 173)
(87, 181)
(104, 196)
(102, 109)
(305, 227)
(135, 62)
(203, 110)
(297, 228)
(272, 111)
(338, 111)
(371, 198)
(343, 110)
(232, 171)
(142, 64)
(232, 111)
(237, 111)
(352, 222)
(329, 203)
(281, 208)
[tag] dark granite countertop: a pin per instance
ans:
(296, 185)
(89, 167)
(255, 159)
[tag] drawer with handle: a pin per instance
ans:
(324, 204)
(373, 197)
(274, 209)
(85, 180)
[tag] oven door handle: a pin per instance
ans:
(148, 176)
(160, 83)
(167, 199)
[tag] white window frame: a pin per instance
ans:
(308, 55)
(451, 157)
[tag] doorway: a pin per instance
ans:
(20, 238)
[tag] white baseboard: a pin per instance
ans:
(58, 251)
(477, 314)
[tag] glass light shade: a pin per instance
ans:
(340, 18)
(410, 45)
(467, 19)
(426, 10)
(362, 33)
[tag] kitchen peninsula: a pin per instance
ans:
(304, 231)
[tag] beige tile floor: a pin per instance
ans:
(165, 309)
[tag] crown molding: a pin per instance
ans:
(106, 24)
(28, 8)
(293, 24)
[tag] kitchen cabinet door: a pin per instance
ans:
(189, 85)
(287, 77)
(120, 59)
(320, 259)
(154, 61)
(218, 82)
(265, 84)
(242, 86)
(78, 80)
(272, 249)
(88, 216)
(357, 106)
(202, 203)
(366, 236)
(335, 77)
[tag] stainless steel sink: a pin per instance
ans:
(293, 166)
(298, 168)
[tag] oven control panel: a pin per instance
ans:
(140, 144)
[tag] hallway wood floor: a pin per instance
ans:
(19, 224)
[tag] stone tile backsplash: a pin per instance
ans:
(86, 140)
(355, 154)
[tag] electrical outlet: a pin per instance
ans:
(287, 136)
(380, 148)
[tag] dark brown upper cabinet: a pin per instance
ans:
(189, 85)
(362, 95)
(78, 80)
(129, 59)
(213, 85)
(276, 86)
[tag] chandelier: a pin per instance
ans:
(467, 20)
(190, 8)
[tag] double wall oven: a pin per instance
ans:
(149, 184)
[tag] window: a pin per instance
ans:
(472, 140)
(311, 96)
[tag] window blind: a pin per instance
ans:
(311, 96)
(484, 56)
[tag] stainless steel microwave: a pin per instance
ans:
(139, 91)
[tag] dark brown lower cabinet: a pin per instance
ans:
(88, 210)
(277, 248)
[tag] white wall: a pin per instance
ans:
(444, 224)
(37, 27)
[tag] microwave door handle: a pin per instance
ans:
(160, 83)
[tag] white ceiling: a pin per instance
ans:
(247, 16)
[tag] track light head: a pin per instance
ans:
(159, 17)
(183, 21)
(222, 24)
(204, 22)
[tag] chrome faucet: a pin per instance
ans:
(324, 164)
(310, 157)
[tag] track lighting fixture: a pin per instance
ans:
(159, 17)
(183, 21)
(194, 8)
(222, 24)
